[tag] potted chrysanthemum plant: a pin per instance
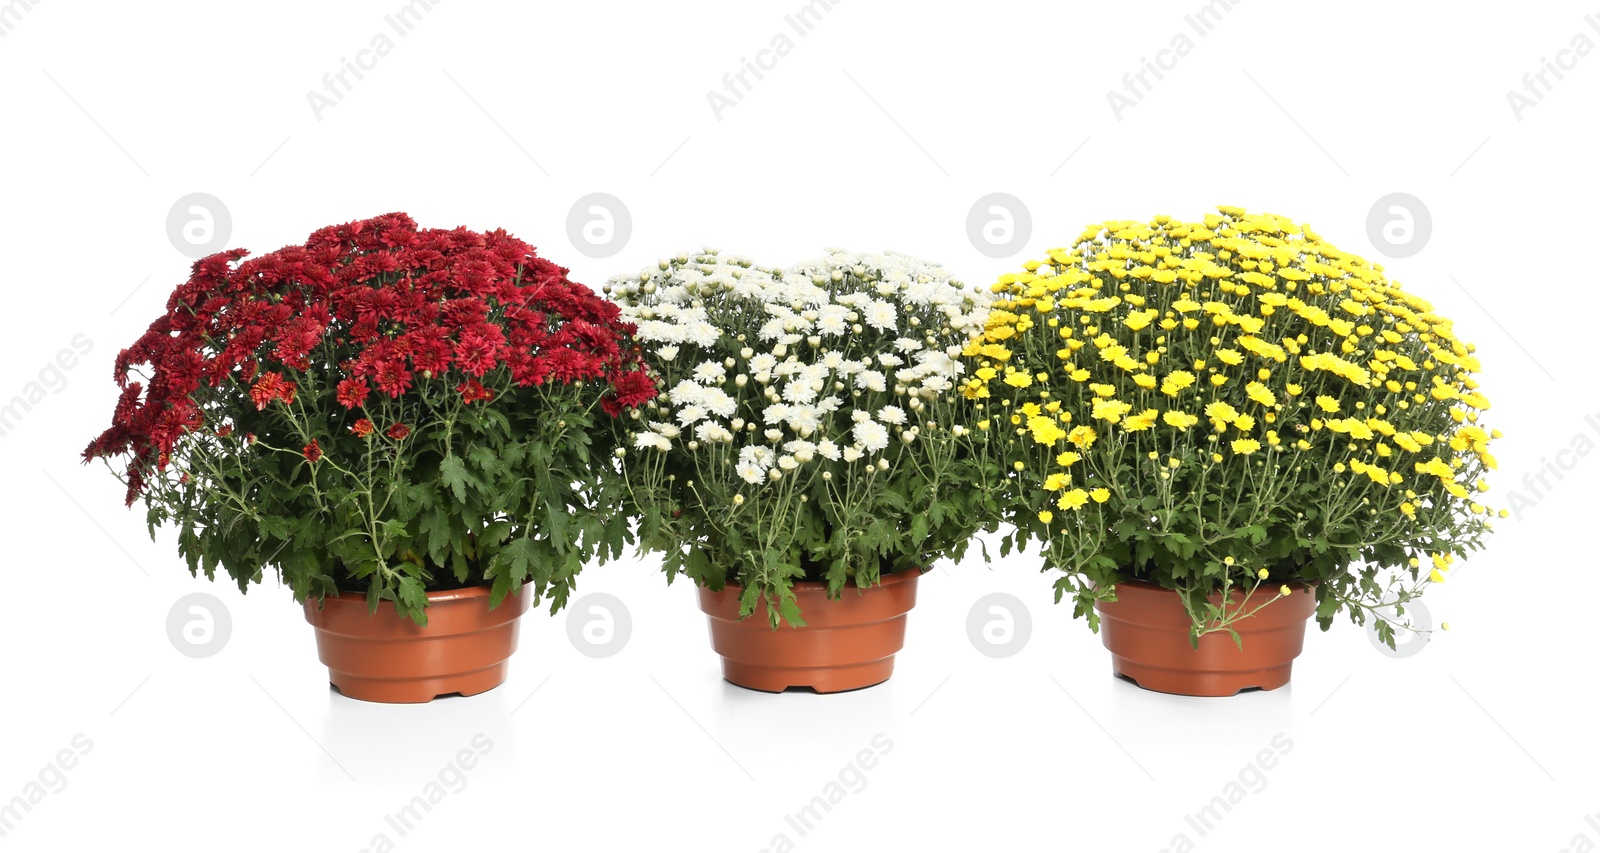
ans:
(404, 424)
(1220, 428)
(809, 455)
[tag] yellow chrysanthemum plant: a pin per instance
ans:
(1233, 405)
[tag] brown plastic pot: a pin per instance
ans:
(1147, 631)
(845, 644)
(385, 657)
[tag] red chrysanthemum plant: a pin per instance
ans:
(384, 410)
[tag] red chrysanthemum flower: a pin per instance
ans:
(269, 387)
(472, 391)
(628, 391)
(362, 427)
(478, 347)
(352, 392)
(312, 451)
(398, 431)
(392, 377)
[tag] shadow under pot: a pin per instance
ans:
(1147, 632)
(384, 657)
(846, 644)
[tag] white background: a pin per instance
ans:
(879, 130)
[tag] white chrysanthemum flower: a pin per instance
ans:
(908, 344)
(668, 352)
(666, 429)
(804, 420)
(879, 315)
(889, 359)
(702, 334)
(718, 401)
(763, 363)
(709, 372)
(651, 439)
(833, 320)
(892, 415)
(851, 454)
(686, 393)
(828, 450)
(688, 415)
(788, 463)
(801, 390)
(711, 431)
(871, 435)
(776, 413)
(872, 380)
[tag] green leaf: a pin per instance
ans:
(453, 473)
(412, 598)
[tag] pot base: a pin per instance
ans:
(1183, 682)
(776, 679)
(416, 691)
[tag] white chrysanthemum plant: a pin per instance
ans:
(811, 425)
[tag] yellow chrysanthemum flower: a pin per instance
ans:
(1140, 422)
(1072, 499)
(1110, 410)
(1179, 420)
(1261, 394)
(1045, 430)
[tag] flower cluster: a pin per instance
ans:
(804, 411)
(373, 357)
(1230, 401)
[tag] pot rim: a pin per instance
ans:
(899, 577)
(1150, 585)
(434, 597)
